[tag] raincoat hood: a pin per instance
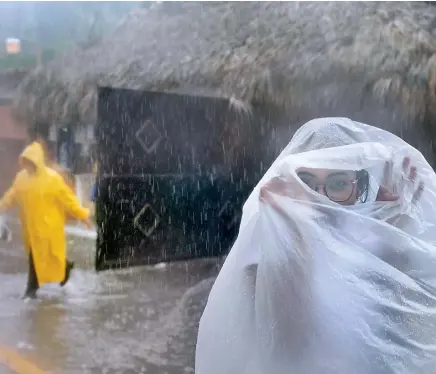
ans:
(35, 154)
(315, 287)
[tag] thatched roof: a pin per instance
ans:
(279, 55)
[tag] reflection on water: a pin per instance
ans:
(135, 320)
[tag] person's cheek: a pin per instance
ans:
(352, 200)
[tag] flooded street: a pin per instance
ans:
(141, 320)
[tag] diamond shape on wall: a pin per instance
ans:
(146, 220)
(148, 136)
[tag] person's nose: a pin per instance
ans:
(321, 190)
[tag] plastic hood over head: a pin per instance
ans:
(315, 287)
(35, 154)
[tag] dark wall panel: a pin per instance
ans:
(174, 172)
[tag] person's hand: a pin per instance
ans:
(87, 222)
(279, 186)
(389, 192)
(273, 186)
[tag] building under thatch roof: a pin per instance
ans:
(10, 79)
(372, 61)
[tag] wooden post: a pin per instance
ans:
(38, 56)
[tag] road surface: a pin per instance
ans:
(142, 320)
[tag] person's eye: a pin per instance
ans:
(338, 184)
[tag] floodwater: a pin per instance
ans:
(141, 320)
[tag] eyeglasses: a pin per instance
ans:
(338, 187)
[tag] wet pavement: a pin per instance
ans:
(140, 320)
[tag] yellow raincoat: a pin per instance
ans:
(44, 201)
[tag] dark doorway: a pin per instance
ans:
(65, 147)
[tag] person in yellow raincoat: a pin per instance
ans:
(45, 202)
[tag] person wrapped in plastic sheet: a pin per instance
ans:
(334, 267)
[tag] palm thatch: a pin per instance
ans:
(286, 57)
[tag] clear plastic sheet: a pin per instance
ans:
(313, 286)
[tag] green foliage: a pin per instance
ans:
(55, 26)
(25, 60)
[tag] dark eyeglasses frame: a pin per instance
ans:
(323, 185)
